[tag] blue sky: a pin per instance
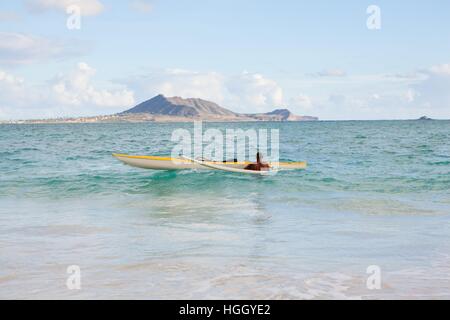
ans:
(316, 57)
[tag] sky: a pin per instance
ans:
(353, 59)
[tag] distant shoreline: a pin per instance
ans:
(146, 118)
(58, 122)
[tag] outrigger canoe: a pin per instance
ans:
(168, 163)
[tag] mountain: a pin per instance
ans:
(176, 108)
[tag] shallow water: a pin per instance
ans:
(375, 193)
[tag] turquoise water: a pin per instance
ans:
(375, 193)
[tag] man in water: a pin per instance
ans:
(259, 165)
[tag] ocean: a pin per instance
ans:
(375, 196)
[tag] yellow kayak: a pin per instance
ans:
(168, 163)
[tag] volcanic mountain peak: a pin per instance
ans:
(177, 106)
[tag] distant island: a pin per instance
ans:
(177, 109)
(424, 118)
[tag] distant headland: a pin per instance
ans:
(177, 109)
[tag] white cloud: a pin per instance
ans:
(16, 96)
(88, 7)
(179, 82)
(351, 97)
(332, 73)
(71, 94)
(143, 6)
(254, 91)
(301, 103)
(394, 96)
(442, 70)
(76, 89)
(246, 92)
(11, 87)
(404, 104)
(405, 76)
(19, 48)
(74, 94)
(9, 79)
(433, 93)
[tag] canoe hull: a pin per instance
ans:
(167, 163)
